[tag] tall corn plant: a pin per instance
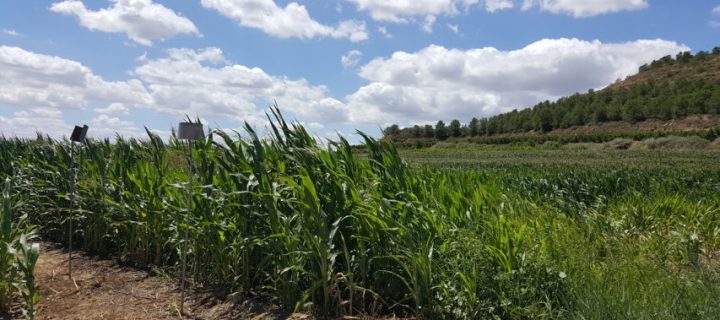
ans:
(17, 257)
(323, 228)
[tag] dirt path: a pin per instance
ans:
(102, 289)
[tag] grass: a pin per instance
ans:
(509, 233)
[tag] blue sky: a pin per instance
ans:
(336, 66)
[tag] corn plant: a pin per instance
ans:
(340, 230)
(17, 257)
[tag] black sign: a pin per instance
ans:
(78, 134)
(190, 131)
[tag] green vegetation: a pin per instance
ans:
(342, 233)
(17, 258)
(667, 89)
(708, 136)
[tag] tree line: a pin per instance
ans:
(690, 88)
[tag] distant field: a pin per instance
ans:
(509, 157)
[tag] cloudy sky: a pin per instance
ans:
(334, 65)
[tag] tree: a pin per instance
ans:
(455, 128)
(473, 127)
(545, 120)
(482, 127)
(713, 104)
(428, 131)
(441, 132)
(417, 131)
(392, 130)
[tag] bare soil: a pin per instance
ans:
(105, 289)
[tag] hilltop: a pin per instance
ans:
(672, 95)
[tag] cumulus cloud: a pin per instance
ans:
(107, 126)
(584, 8)
(141, 20)
(351, 58)
(291, 21)
(454, 28)
(36, 80)
(396, 11)
(495, 5)
(42, 86)
(441, 83)
(50, 121)
(422, 12)
(27, 123)
(408, 11)
(114, 108)
(202, 82)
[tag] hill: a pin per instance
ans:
(678, 94)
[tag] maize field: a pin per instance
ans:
(335, 232)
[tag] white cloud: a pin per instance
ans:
(584, 8)
(495, 5)
(42, 86)
(439, 83)
(36, 80)
(396, 11)
(114, 108)
(11, 32)
(716, 11)
(351, 58)
(291, 21)
(408, 11)
(454, 28)
(106, 126)
(203, 83)
(422, 12)
(142, 20)
(404, 11)
(427, 25)
(28, 122)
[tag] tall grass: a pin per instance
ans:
(340, 233)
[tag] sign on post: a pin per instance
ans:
(79, 133)
(190, 131)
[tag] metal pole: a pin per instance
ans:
(70, 214)
(185, 238)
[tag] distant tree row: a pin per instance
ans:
(681, 58)
(660, 99)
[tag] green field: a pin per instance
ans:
(479, 158)
(506, 233)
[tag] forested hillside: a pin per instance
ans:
(669, 88)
